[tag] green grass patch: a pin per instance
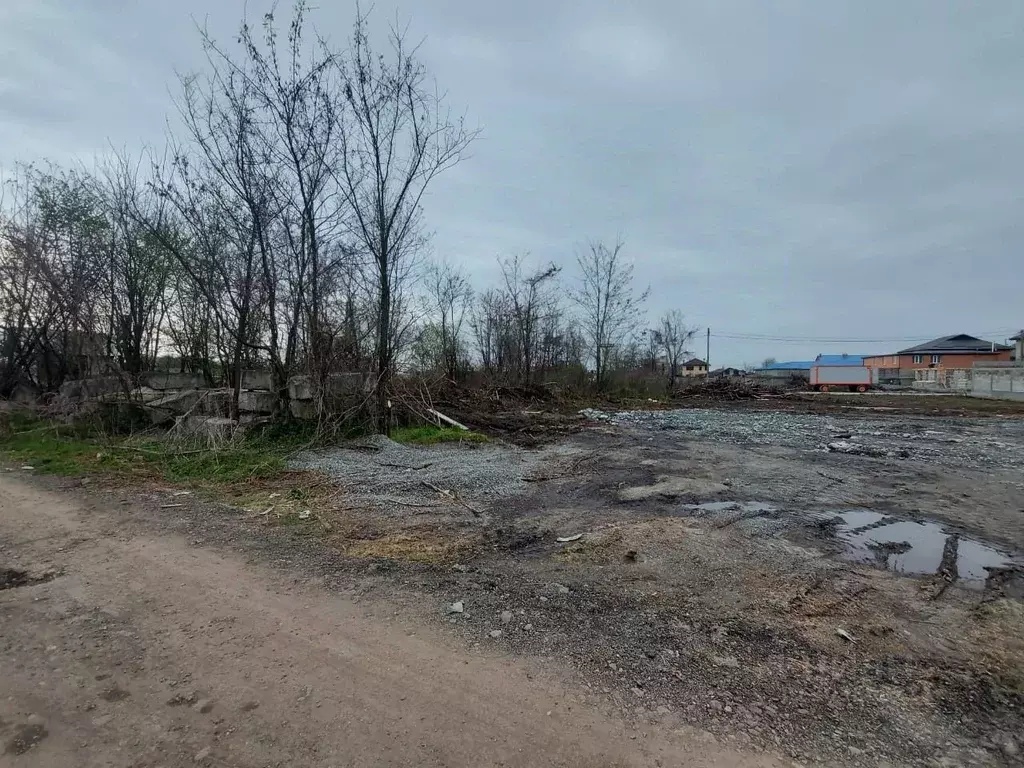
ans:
(431, 435)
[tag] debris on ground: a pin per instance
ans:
(959, 442)
(846, 635)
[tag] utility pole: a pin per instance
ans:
(707, 358)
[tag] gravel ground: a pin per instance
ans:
(380, 472)
(978, 443)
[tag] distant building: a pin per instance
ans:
(1018, 351)
(792, 369)
(726, 373)
(694, 367)
(958, 352)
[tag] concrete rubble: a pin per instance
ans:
(184, 399)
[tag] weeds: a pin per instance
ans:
(71, 450)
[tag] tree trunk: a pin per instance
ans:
(384, 351)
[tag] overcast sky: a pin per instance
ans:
(812, 169)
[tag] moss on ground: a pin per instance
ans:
(431, 435)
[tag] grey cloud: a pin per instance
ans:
(846, 169)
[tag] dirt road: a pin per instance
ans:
(130, 646)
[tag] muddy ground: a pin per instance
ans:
(842, 587)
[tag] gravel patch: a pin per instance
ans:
(380, 471)
(977, 443)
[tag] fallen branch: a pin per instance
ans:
(404, 466)
(453, 496)
(447, 419)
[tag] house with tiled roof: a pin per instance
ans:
(947, 353)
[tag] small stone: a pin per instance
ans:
(725, 661)
(855, 751)
(715, 706)
(528, 626)
(506, 617)
(102, 720)
(203, 706)
(663, 710)
(562, 589)
(201, 755)
(459, 568)
(457, 607)
(495, 633)
(728, 709)
(1009, 747)
(639, 692)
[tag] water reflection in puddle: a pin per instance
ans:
(914, 548)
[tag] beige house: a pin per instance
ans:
(693, 367)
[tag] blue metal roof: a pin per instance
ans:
(839, 360)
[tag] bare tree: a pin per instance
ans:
(255, 187)
(528, 295)
(496, 335)
(137, 266)
(51, 277)
(674, 337)
(611, 310)
(301, 103)
(652, 348)
(450, 296)
(398, 138)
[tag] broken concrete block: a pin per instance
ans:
(159, 380)
(337, 385)
(300, 388)
(82, 389)
(257, 380)
(205, 402)
(303, 409)
(256, 401)
(148, 395)
(178, 402)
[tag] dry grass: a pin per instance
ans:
(414, 546)
(998, 639)
(597, 549)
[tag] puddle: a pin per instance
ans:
(914, 548)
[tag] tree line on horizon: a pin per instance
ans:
(281, 228)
